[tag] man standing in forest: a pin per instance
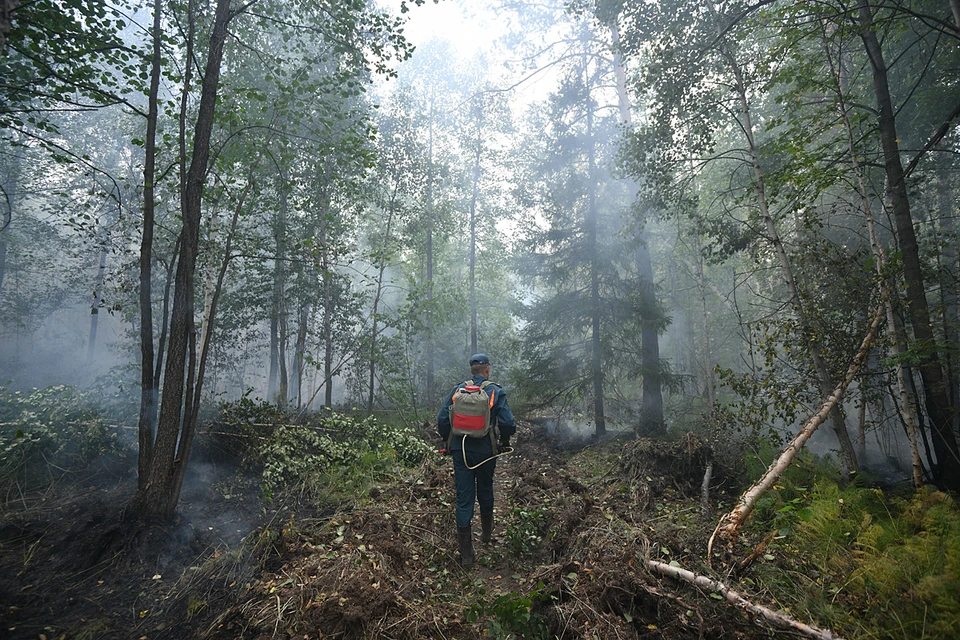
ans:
(471, 441)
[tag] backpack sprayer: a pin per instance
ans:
(470, 417)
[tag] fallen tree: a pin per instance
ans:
(729, 525)
(779, 619)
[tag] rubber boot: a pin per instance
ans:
(465, 540)
(486, 527)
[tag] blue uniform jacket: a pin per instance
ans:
(501, 416)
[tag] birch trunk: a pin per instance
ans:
(906, 404)
(707, 356)
(715, 586)
(931, 373)
(730, 524)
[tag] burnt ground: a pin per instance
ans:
(573, 528)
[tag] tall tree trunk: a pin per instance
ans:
(906, 406)
(95, 303)
(707, 355)
(931, 374)
(429, 281)
(277, 353)
(300, 349)
(209, 276)
(147, 420)
(652, 401)
(327, 333)
(283, 386)
(813, 346)
(596, 342)
(326, 268)
(164, 325)
(274, 367)
(195, 388)
(474, 341)
(381, 270)
(949, 270)
(159, 496)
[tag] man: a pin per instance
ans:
(474, 478)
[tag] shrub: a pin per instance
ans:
(511, 615)
(59, 427)
(344, 452)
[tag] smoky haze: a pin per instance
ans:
(491, 197)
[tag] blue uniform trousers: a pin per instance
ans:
(473, 485)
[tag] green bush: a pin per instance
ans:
(510, 616)
(57, 427)
(340, 452)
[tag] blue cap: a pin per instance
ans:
(479, 358)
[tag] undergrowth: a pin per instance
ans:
(47, 432)
(867, 563)
(327, 456)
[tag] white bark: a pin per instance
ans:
(906, 406)
(774, 617)
(730, 524)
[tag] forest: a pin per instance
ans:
(712, 249)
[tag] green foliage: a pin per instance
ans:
(343, 453)
(873, 565)
(59, 426)
(907, 568)
(525, 529)
(64, 52)
(511, 615)
(788, 503)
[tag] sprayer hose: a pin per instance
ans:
(463, 449)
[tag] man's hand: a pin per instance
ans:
(504, 442)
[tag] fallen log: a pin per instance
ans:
(774, 617)
(730, 524)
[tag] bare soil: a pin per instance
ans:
(573, 527)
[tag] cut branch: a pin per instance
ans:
(730, 524)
